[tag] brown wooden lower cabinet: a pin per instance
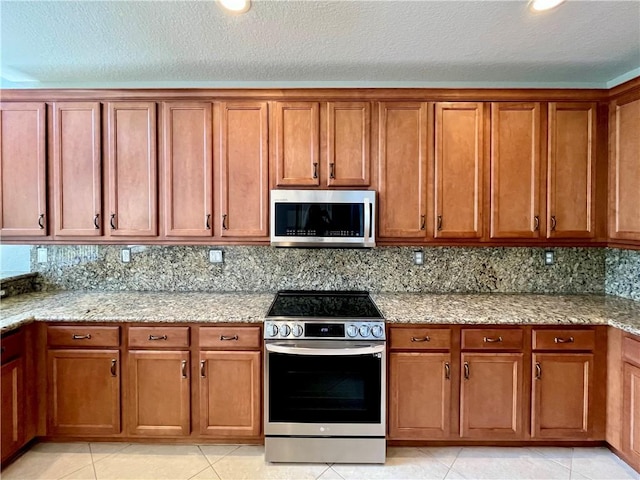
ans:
(159, 393)
(631, 413)
(83, 392)
(12, 416)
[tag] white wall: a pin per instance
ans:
(14, 260)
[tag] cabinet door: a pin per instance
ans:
(159, 393)
(631, 412)
(562, 386)
(244, 164)
(297, 143)
(77, 177)
(23, 181)
(83, 392)
(624, 171)
(571, 170)
(188, 169)
(419, 396)
(459, 160)
(348, 144)
(132, 169)
(230, 394)
(13, 404)
(515, 170)
(491, 396)
(403, 169)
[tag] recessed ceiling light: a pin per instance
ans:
(542, 5)
(235, 6)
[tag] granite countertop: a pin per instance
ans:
(515, 309)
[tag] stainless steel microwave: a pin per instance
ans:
(323, 218)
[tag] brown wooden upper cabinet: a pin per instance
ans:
(77, 177)
(624, 170)
(459, 167)
(403, 169)
(348, 144)
(132, 163)
(571, 170)
(243, 165)
(23, 194)
(515, 170)
(187, 169)
(296, 139)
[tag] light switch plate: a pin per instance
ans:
(125, 255)
(215, 256)
(549, 257)
(418, 257)
(43, 256)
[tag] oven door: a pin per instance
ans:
(325, 388)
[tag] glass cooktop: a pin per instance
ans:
(324, 304)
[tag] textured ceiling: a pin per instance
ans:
(318, 43)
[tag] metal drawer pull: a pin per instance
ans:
(112, 221)
(41, 221)
(184, 368)
(426, 338)
(224, 222)
(554, 223)
(315, 169)
(447, 371)
(492, 340)
(538, 371)
(113, 367)
(536, 221)
(228, 337)
(466, 370)
(332, 173)
(563, 340)
(81, 337)
(202, 362)
(439, 222)
(157, 337)
(207, 221)
(95, 221)
(422, 224)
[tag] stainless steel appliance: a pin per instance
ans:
(323, 218)
(325, 378)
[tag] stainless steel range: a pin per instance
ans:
(325, 378)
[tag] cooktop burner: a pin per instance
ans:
(323, 304)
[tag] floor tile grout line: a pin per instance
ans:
(198, 473)
(93, 464)
(533, 449)
(429, 455)
(324, 471)
(80, 468)
(125, 446)
(221, 457)
(449, 467)
(334, 471)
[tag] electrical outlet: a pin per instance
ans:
(43, 257)
(418, 257)
(215, 256)
(548, 257)
(125, 255)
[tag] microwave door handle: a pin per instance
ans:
(342, 352)
(368, 213)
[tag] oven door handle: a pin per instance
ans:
(341, 352)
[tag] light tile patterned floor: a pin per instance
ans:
(102, 461)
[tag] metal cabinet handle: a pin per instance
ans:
(439, 222)
(81, 337)
(332, 171)
(183, 367)
(95, 221)
(202, 373)
(553, 223)
(224, 222)
(466, 370)
(228, 337)
(112, 221)
(447, 371)
(113, 367)
(538, 371)
(157, 337)
(492, 340)
(536, 223)
(426, 338)
(315, 169)
(207, 221)
(422, 222)
(41, 221)
(563, 340)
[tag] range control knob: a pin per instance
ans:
(285, 330)
(364, 331)
(377, 331)
(272, 330)
(297, 330)
(352, 331)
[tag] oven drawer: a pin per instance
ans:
(492, 339)
(564, 339)
(159, 337)
(419, 338)
(83, 336)
(231, 338)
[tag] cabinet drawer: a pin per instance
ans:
(492, 339)
(158, 337)
(563, 339)
(83, 336)
(230, 338)
(419, 338)
(11, 346)
(631, 349)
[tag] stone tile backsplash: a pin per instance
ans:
(623, 273)
(382, 269)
